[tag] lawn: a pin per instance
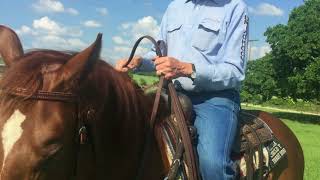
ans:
(307, 129)
(143, 80)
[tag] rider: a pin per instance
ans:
(207, 49)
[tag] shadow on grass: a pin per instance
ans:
(302, 118)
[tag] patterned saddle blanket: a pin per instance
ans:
(256, 153)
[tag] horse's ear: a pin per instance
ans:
(10, 45)
(82, 63)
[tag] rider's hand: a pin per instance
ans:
(136, 62)
(172, 68)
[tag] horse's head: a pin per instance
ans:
(46, 95)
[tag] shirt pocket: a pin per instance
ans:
(173, 34)
(206, 35)
(173, 27)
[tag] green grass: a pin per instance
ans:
(140, 78)
(288, 103)
(307, 129)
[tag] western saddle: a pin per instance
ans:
(252, 150)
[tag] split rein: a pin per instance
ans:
(161, 50)
(150, 131)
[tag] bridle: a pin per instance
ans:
(64, 97)
(45, 95)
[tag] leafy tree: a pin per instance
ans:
(296, 52)
(260, 81)
(245, 96)
(1, 61)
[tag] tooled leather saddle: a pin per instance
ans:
(256, 152)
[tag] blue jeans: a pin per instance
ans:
(215, 117)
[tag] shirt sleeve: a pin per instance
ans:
(229, 70)
(147, 64)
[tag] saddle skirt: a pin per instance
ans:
(256, 152)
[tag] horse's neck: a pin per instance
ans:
(128, 132)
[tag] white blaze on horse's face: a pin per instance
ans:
(11, 132)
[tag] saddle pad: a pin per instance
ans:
(256, 133)
(272, 154)
(242, 164)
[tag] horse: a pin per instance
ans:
(47, 97)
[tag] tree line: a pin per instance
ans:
(292, 68)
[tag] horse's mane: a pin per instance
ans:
(28, 72)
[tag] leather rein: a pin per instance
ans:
(161, 50)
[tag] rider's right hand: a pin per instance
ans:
(136, 62)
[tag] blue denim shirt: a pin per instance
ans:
(211, 34)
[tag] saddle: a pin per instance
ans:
(256, 152)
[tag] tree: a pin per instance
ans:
(296, 52)
(260, 80)
(1, 60)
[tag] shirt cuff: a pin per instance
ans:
(202, 71)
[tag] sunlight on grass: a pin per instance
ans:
(143, 80)
(308, 136)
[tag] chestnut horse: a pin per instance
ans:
(39, 137)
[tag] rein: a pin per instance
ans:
(177, 108)
(150, 132)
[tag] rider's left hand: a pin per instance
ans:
(172, 68)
